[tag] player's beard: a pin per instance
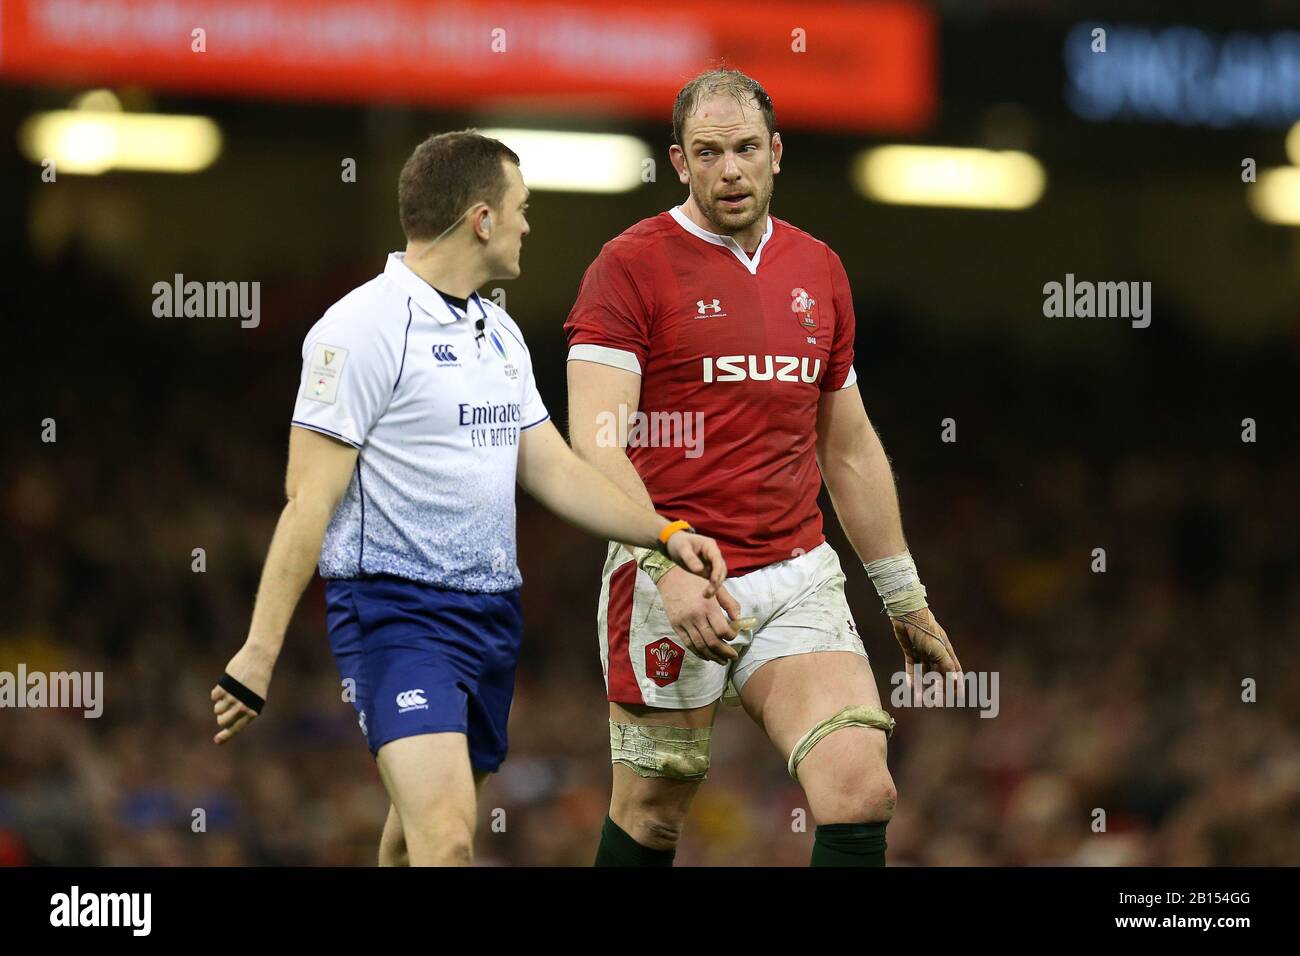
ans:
(728, 222)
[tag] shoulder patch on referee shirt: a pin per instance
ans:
(324, 373)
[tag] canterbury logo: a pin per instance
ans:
(411, 700)
(762, 368)
(706, 308)
(443, 353)
(664, 653)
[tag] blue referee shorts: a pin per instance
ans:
(427, 660)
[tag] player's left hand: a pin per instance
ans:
(924, 642)
(700, 555)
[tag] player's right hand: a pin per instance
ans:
(703, 623)
(252, 669)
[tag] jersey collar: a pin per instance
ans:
(424, 295)
(725, 241)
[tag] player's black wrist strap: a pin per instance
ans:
(241, 693)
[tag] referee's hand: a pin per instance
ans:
(253, 670)
(699, 555)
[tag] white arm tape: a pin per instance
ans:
(897, 583)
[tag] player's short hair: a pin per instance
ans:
(447, 174)
(745, 89)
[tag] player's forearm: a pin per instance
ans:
(598, 393)
(614, 464)
(861, 487)
(290, 563)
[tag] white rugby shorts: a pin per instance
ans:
(799, 603)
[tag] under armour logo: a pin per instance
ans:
(443, 353)
(411, 700)
(705, 307)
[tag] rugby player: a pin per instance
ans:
(717, 309)
(416, 414)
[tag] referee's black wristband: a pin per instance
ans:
(241, 693)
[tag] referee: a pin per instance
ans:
(417, 412)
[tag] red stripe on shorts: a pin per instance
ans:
(623, 688)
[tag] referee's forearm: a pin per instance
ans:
(583, 496)
(290, 562)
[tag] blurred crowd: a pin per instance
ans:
(1122, 735)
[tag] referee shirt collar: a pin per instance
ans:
(424, 295)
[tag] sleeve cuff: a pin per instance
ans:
(325, 431)
(603, 355)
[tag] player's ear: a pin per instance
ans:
(677, 157)
(777, 149)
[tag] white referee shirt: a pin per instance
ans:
(437, 410)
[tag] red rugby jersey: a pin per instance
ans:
(743, 347)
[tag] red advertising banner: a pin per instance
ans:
(840, 66)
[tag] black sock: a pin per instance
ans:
(850, 844)
(619, 849)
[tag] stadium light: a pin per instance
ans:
(576, 162)
(1275, 197)
(949, 176)
(100, 99)
(93, 141)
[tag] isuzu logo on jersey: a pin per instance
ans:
(761, 368)
(663, 661)
(804, 306)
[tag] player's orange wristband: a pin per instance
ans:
(671, 529)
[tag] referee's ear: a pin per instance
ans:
(482, 220)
